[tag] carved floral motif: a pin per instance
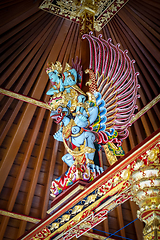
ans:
(98, 13)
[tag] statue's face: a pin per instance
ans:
(57, 115)
(54, 77)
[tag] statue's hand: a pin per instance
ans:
(70, 77)
(58, 135)
(81, 120)
(68, 159)
(69, 81)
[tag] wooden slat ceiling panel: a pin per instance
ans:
(29, 156)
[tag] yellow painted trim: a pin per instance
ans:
(19, 216)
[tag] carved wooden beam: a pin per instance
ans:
(24, 98)
(81, 207)
(19, 216)
(46, 106)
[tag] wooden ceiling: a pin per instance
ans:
(29, 156)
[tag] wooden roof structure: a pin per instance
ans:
(29, 156)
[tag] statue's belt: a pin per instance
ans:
(78, 134)
(75, 153)
(67, 130)
(69, 133)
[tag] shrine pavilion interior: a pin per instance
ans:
(30, 158)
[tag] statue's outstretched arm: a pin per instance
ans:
(58, 135)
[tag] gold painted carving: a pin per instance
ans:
(145, 182)
(65, 198)
(110, 156)
(89, 14)
(86, 21)
(76, 153)
(42, 234)
(152, 155)
(91, 203)
(52, 67)
(68, 129)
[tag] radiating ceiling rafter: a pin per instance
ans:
(119, 27)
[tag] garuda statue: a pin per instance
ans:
(95, 119)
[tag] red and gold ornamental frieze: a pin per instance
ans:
(136, 176)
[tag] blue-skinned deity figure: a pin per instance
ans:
(74, 129)
(61, 82)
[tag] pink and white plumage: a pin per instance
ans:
(116, 80)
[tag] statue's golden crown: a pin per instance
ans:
(57, 66)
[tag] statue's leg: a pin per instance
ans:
(68, 159)
(90, 138)
(79, 140)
